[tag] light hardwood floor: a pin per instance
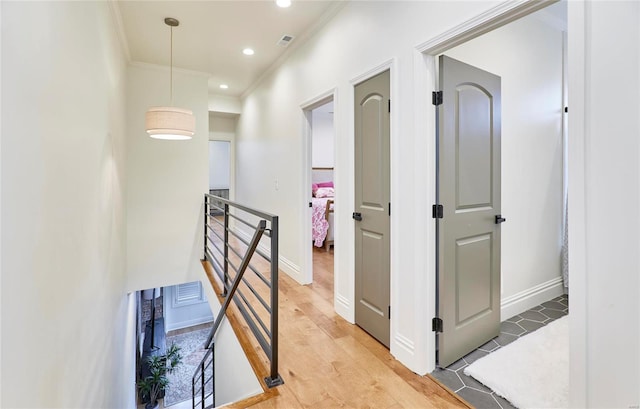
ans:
(327, 362)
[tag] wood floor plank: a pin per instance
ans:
(327, 362)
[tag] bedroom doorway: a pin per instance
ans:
(322, 195)
(319, 194)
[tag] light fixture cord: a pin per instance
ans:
(171, 71)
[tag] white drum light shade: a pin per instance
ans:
(170, 123)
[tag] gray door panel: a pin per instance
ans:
(469, 190)
(372, 193)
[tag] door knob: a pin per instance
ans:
(500, 219)
(357, 216)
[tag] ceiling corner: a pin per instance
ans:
(118, 24)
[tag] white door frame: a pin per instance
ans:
(306, 273)
(425, 69)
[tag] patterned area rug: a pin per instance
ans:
(192, 351)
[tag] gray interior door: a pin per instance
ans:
(469, 190)
(372, 195)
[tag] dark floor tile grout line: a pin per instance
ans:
(548, 309)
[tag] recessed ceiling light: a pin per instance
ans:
(224, 86)
(248, 51)
(283, 3)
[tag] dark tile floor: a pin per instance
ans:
(513, 328)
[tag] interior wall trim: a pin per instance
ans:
(116, 15)
(284, 264)
(405, 343)
(492, 19)
(529, 298)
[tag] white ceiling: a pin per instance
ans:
(212, 35)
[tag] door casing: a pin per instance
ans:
(306, 273)
(426, 78)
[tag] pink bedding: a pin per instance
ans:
(319, 224)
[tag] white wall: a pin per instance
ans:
(219, 164)
(527, 55)
(361, 37)
(604, 173)
(322, 138)
(222, 123)
(604, 203)
(182, 315)
(68, 325)
(223, 103)
(166, 182)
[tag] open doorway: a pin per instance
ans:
(319, 192)
(529, 56)
(222, 134)
(220, 168)
(322, 194)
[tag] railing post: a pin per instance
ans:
(274, 378)
(206, 215)
(226, 250)
(202, 405)
(213, 375)
(193, 392)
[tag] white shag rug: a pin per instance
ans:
(531, 372)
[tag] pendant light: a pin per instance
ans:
(169, 122)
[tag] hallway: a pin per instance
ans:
(328, 363)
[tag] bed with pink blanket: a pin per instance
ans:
(322, 202)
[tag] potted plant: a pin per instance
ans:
(152, 387)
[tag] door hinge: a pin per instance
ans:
(389, 312)
(310, 205)
(389, 208)
(436, 324)
(389, 106)
(437, 211)
(436, 98)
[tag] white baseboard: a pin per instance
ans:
(292, 269)
(531, 297)
(342, 305)
(188, 323)
(405, 343)
(403, 349)
(289, 267)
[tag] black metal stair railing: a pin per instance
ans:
(243, 283)
(202, 387)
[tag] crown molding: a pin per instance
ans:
(116, 15)
(297, 43)
(166, 68)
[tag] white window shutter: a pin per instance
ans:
(188, 293)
